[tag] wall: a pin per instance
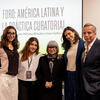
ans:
(91, 13)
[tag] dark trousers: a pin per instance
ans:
(87, 96)
(28, 90)
(71, 86)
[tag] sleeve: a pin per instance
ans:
(0, 57)
(39, 73)
(3, 61)
(0, 62)
(19, 66)
(63, 68)
(61, 73)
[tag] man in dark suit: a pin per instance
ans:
(90, 64)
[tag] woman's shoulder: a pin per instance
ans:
(81, 41)
(1, 49)
(39, 54)
(20, 53)
(43, 56)
(0, 45)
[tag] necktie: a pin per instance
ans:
(85, 53)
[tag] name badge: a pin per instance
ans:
(28, 74)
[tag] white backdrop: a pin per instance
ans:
(44, 19)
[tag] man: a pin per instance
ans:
(90, 64)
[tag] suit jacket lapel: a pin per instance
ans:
(79, 49)
(91, 50)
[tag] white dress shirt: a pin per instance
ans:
(24, 67)
(87, 48)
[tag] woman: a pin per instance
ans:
(50, 73)
(9, 59)
(73, 46)
(28, 62)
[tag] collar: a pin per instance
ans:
(90, 45)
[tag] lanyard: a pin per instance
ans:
(29, 62)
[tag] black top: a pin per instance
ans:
(44, 74)
(43, 71)
(13, 61)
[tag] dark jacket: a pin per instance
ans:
(91, 69)
(43, 74)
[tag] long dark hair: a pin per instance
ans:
(66, 43)
(4, 40)
(25, 50)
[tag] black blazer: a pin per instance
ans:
(91, 69)
(43, 74)
(43, 71)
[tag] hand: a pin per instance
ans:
(48, 84)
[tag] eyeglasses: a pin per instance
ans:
(11, 33)
(52, 47)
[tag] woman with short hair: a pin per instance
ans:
(50, 73)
